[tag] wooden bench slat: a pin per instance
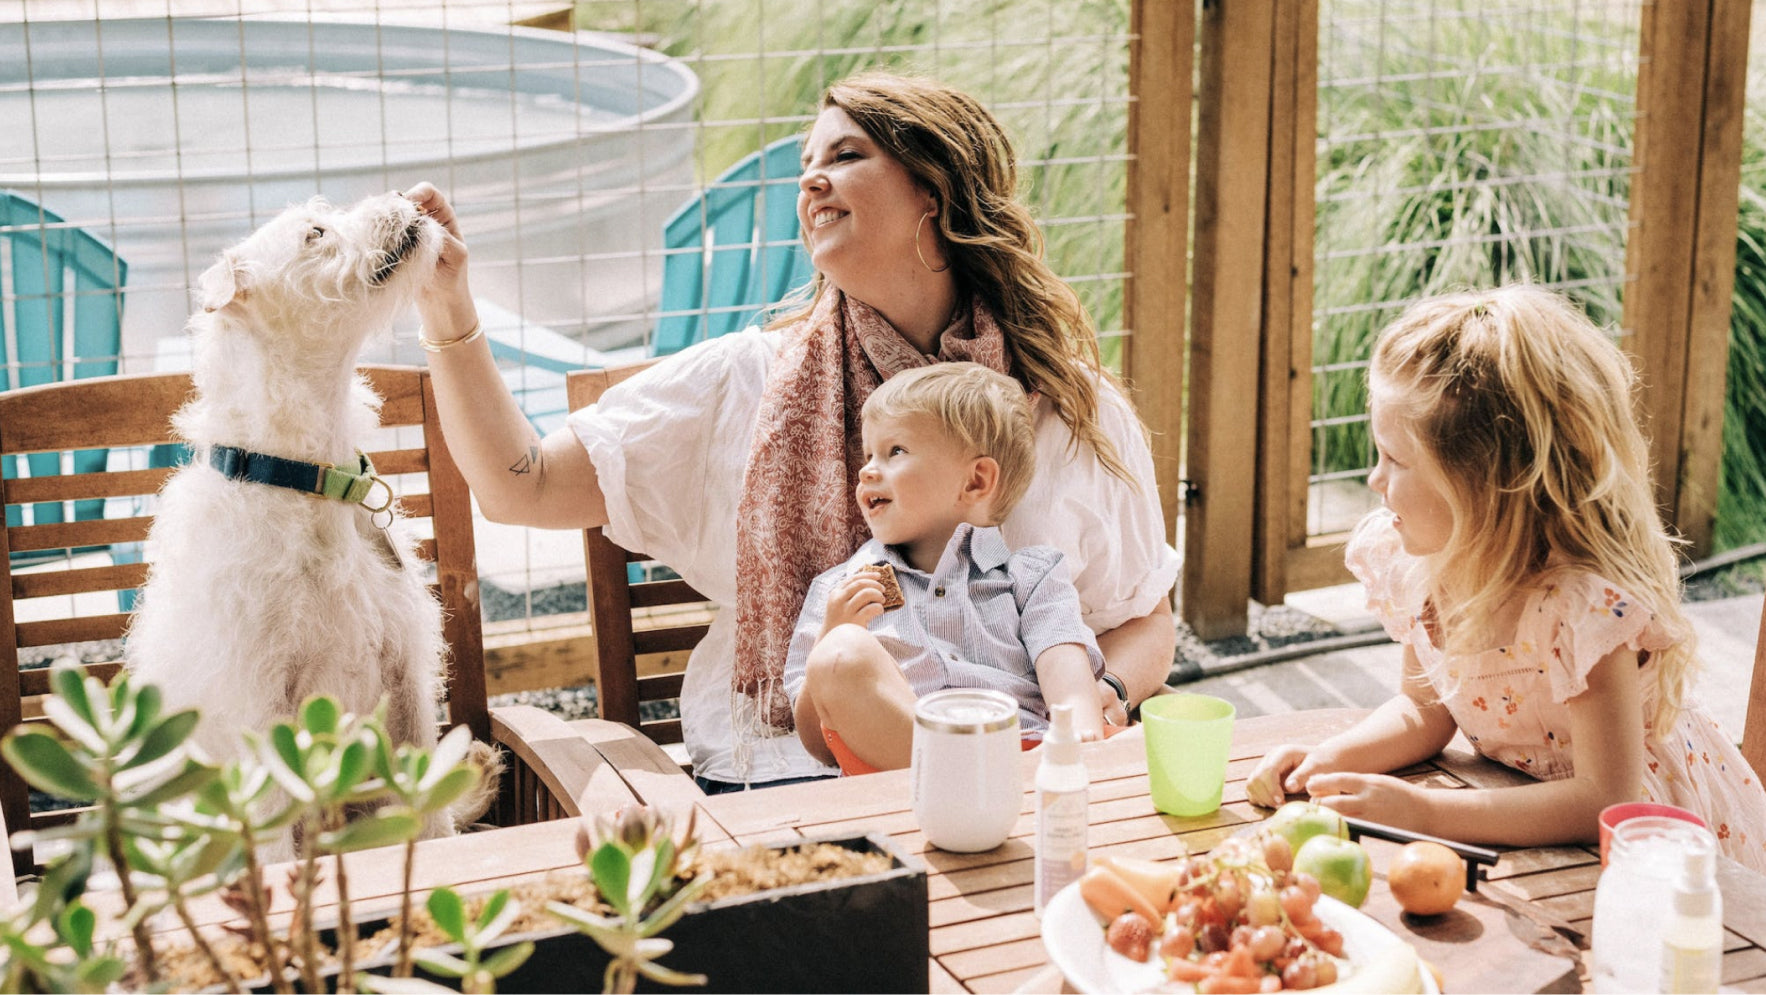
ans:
(660, 686)
(390, 462)
(411, 505)
(82, 486)
(664, 592)
(668, 640)
(73, 535)
(86, 628)
(36, 680)
(121, 576)
(662, 731)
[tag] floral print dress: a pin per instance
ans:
(1512, 702)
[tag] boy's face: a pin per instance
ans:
(915, 487)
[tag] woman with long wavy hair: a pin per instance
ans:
(735, 461)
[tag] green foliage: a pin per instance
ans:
(637, 863)
(476, 972)
(1421, 186)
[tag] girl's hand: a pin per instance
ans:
(1375, 797)
(446, 304)
(1283, 771)
(857, 600)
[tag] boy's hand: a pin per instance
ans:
(857, 600)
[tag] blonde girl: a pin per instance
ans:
(1520, 560)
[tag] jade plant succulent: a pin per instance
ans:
(173, 827)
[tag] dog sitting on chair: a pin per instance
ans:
(271, 579)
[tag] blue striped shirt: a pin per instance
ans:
(978, 620)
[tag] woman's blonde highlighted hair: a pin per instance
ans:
(984, 412)
(1526, 410)
(951, 145)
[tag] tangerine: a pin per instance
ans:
(1426, 878)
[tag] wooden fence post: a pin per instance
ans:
(1284, 445)
(1160, 62)
(1691, 89)
(1232, 170)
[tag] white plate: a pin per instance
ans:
(1074, 937)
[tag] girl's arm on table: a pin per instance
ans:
(1408, 728)
(1606, 722)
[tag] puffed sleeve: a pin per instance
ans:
(1111, 531)
(1048, 606)
(669, 447)
(1375, 555)
(1580, 617)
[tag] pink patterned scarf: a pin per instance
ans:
(798, 516)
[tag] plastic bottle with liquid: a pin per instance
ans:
(1061, 799)
(1692, 945)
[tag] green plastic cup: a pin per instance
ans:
(1188, 739)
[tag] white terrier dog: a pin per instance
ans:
(261, 595)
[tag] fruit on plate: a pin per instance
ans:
(1299, 821)
(1341, 866)
(1110, 896)
(1392, 971)
(1426, 878)
(1156, 881)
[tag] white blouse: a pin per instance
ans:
(670, 446)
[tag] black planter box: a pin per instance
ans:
(859, 934)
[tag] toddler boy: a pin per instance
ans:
(949, 450)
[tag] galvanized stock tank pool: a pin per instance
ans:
(171, 138)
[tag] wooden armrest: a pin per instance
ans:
(578, 776)
(647, 770)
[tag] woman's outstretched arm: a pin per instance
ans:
(518, 477)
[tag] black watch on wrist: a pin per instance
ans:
(1116, 685)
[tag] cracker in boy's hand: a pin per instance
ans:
(892, 598)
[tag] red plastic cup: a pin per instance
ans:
(1612, 815)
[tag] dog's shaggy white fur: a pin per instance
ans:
(260, 596)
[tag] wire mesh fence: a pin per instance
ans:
(587, 165)
(1461, 144)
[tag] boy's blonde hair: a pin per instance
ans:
(986, 412)
(1526, 410)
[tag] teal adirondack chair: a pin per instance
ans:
(57, 268)
(733, 250)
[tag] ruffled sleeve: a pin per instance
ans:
(669, 447)
(1375, 555)
(1578, 619)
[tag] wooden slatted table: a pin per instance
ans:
(1519, 933)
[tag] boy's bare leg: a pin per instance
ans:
(854, 687)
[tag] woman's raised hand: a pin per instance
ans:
(446, 304)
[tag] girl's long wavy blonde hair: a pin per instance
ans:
(1527, 411)
(954, 147)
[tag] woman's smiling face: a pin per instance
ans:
(858, 205)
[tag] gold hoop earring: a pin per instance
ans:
(922, 255)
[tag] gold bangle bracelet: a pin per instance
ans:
(434, 346)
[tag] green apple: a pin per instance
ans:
(1342, 868)
(1300, 821)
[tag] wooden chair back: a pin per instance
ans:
(644, 631)
(41, 608)
(1753, 738)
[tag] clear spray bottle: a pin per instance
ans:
(1061, 799)
(1692, 946)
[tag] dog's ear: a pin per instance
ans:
(222, 284)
